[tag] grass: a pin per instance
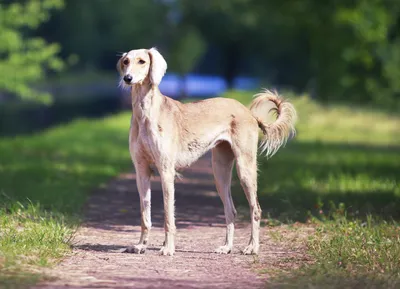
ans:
(344, 254)
(44, 181)
(340, 174)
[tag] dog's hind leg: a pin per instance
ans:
(247, 171)
(222, 163)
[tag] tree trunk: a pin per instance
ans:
(183, 93)
(231, 64)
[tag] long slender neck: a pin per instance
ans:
(146, 100)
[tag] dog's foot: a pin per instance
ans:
(223, 250)
(136, 249)
(167, 251)
(251, 249)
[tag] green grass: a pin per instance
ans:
(342, 174)
(344, 254)
(44, 181)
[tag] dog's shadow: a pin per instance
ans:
(99, 248)
(119, 249)
(197, 202)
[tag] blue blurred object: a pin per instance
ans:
(202, 86)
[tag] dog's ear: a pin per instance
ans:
(158, 66)
(119, 64)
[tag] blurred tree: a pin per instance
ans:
(223, 24)
(251, 39)
(187, 47)
(373, 52)
(345, 50)
(348, 50)
(24, 58)
(96, 33)
(347, 41)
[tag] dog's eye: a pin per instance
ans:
(126, 61)
(141, 61)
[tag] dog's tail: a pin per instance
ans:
(278, 132)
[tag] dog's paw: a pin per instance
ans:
(167, 251)
(251, 249)
(223, 250)
(136, 249)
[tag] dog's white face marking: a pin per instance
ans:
(137, 66)
(133, 67)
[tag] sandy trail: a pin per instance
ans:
(113, 223)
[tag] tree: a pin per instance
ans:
(223, 24)
(186, 49)
(95, 33)
(350, 50)
(25, 58)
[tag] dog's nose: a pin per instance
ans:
(128, 78)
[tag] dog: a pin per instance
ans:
(170, 135)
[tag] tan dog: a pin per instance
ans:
(172, 135)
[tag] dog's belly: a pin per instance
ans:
(196, 148)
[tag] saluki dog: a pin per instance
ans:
(170, 135)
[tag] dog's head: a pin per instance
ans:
(138, 66)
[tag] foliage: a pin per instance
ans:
(343, 50)
(185, 53)
(44, 181)
(188, 48)
(24, 57)
(339, 50)
(96, 34)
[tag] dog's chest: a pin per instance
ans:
(150, 140)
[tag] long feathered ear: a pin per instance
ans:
(119, 68)
(158, 66)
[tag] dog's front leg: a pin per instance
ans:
(167, 181)
(143, 174)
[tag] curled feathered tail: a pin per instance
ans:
(277, 133)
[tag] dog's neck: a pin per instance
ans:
(146, 100)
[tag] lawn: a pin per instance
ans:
(340, 176)
(44, 181)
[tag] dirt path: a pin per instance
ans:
(113, 223)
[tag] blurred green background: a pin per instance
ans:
(63, 52)
(63, 128)
(336, 50)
